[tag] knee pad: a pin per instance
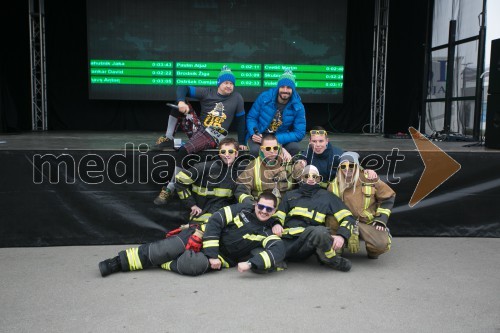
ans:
(192, 263)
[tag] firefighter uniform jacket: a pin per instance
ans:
(261, 175)
(308, 206)
(234, 231)
(209, 185)
(369, 200)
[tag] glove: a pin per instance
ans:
(353, 243)
(195, 241)
(173, 232)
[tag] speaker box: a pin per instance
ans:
(492, 135)
(494, 82)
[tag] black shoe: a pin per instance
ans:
(337, 262)
(110, 266)
(163, 143)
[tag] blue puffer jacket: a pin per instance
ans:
(262, 112)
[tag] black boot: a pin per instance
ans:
(336, 262)
(110, 266)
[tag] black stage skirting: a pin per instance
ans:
(95, 197)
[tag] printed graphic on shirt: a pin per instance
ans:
(216, 117)
(276, 123)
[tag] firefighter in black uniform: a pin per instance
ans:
(303, 212)
(208, 186)
(239, 235)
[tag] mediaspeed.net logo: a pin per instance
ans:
(136, 164)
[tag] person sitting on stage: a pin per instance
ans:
(218, 109)
(369, 200)
(239, 235)
(208, 186)
(302, 213)
(325, 156)
(280, 111)
(268, 172)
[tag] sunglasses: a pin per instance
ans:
(229, 151)
(311, 175)
(262, 207)
(345, 166)
(270, 148)
(317, 132)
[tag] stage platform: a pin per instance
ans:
(97, 188)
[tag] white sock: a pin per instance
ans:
(171, 185)
(172, 122)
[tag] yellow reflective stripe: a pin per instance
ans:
(228, 213)
(384, 211)
(270, 238)
(211, 243)
(218, 192)
(320, 217)
(223, 262)
(323, 184)
(341, 214)
(258, 238)
(266, 258)
(183, 194)
(183, 178)
(166, 265)
(335, 189)
(203, 218)
(368, 215)
(134, 262)
(293, 231)
(243, 197)
(301, 211)
(367, 190)
(238, 222)
(330, 254)
(281, 215)
(203, 227)
(256, 175)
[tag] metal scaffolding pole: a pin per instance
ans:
(38, 78)
(380, 34)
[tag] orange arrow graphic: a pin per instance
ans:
(439, 166)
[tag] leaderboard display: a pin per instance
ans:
(168, 73)
(132, 57)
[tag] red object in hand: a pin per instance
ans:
(194, 243)
(173, 232)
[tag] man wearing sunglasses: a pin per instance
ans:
(302, 213)
(280, 111)
(218, 109)
(237, 235)
(208, 186)
(325, 156)
(369, 200)
(268, 172)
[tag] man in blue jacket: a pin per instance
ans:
(280, 111)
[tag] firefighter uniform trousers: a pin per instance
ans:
(169, 253)
(376, 242)
(301, 243)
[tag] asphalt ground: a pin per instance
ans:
(422, 285)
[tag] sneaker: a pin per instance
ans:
(110, 266)
(164, 143)
(163, 197)
(338, 263)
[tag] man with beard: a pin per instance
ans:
(280, 111)
(218, 109)
(302, 213)
(268, 172)
(369, 200)
(237, 235)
